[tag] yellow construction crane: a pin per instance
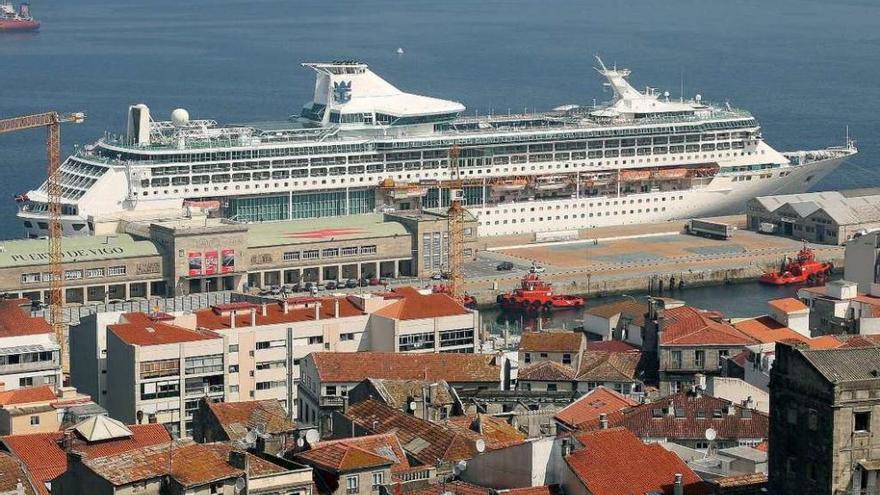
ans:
(52, 122)
(456, 218)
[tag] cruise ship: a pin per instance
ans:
(362, 145)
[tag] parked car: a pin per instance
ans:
(351, 283)
(375, 281)
(537, 269)
(437, 276)
(330, 285)
(309, 286)
(504, 266)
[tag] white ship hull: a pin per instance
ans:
(723, 196)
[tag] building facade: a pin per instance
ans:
(29, 352)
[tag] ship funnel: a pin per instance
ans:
(138, 124)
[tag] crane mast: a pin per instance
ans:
(52, 122)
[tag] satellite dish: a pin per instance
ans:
(300, 442)
(240, 484)
(481, 445)
(711, 434)
(460, 466)
(699, 97)
(412, 406)
(251, 437)
(312, 436)
(666, 94)
(179, 117)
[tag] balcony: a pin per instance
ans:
(6, 369)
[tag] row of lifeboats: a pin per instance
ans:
(550, 183)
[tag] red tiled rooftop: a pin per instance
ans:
(356, 453)
(763, 446)
(45, 459)
(634, 309)
(237, 417)
(689, 326)
(788, 305)
(551, 342)
(11, 472)
(452, 367)
(546, 371)
(766, 330)
(27, 395)
(496, 432)
(825, 342)
(611, 346)
(15, 321)
(212, 319)
(588, 408)
(415, 306)
(615, 462)
(599, 366)
(140, 329)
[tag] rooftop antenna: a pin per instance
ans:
(681, 87)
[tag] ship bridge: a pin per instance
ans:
(349, 94)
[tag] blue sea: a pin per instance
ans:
(806, 68)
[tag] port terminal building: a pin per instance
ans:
(828, 217)
(199, 254)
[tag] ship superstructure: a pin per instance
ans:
(361, 145)
(21, 20)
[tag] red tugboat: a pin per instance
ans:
(535, 295)
(803, 269)
(10, 20)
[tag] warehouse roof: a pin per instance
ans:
(306, 230)
(849, 364)
(854, 207)
(35, 252)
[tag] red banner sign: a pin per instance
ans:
(228, 260)
(195, 263)
(211, 263)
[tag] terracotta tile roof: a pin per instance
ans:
(415, 306)
(44, 458)
(763, 446)
(825, 342)
(398, 392)
(27, 395)
(15, 321)
(299, 309)
(551, 342)
(237, 418)
(611, 346)
(788, 305)
(192, 464)
(689, 326)
(692, 416)
(859, 341)
(588, 407)
(598, 366)
(546, 371)
(496, 432)
(139, 329)
(624, 307)
(456, 487)
(11, 472)
(867, 299)
(452, 367)
(356, 453)
(742, 357)
(427, 442)
(533, 490)
(615, 462)
(752, 479)
(766, 330)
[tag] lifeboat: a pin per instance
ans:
(803, 269)
(634, 175)
(551, 183)
(536, 295)
(671, 173)
(408, 191)
(509, 185)
(207, 205)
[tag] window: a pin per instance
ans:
(233, 348)
(527, 358)
(115, 271)
(675, 359)
(699, 358)
(291, 256)
(266, 344)
(566, 359)
(451, 338)
(722, 355)
(368, 249)
(351, 484)
(544, 355)
(30, 278)
(204, 364)
(216, 488)
(551, 387)
(233, 368)
(159, 368)
(35, 420)
(330, 390)
(346, 337)
(415, 341)
(73, 274)
(26, 381)
(316, 340)
(862, 421)
(233, 389)
(812, 419)
(378, 480)
(94, 272)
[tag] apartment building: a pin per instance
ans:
(29, 352)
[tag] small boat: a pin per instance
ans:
(10, 20)
(671, 173)
(536, 295)
(408, 191)
(551, 183)
(634, 175)
(509, 185)
(802, 269)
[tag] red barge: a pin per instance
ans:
(536, 295)
(10, 20)
(802, 269)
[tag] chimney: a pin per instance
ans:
(670, 410)
(265, 309)
(232, 319)
(254, 317)
(603, 421)
(238, 460)
(566, 447)
(336, 308)
(731, 410)
(678, 485)
(317, 311)
(749, 403)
